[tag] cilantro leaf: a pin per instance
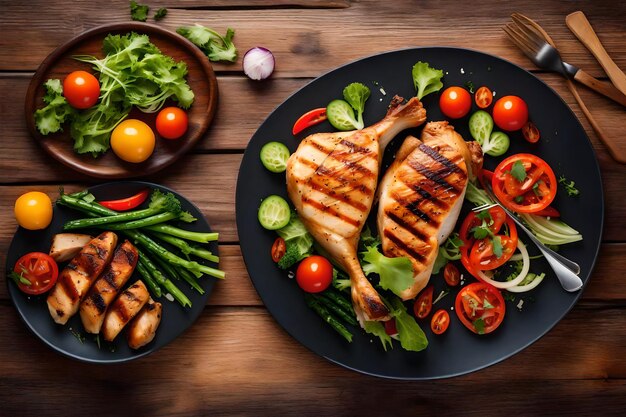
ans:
(518, 171)
(396, 274)
(138, 12)
(570, 186)
(479, 326)
(497, 246)
(482, 231)
(484, 215)
(160, 14)
(486, 304)
(57, 111)
(215, 46)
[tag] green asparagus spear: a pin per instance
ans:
(330, 304)
(327, 317)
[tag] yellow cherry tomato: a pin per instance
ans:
(33, 210)
(133, 141)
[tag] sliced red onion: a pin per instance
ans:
(258, 63)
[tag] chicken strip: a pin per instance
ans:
(77, 277)
(143, 328)
(124, 308)
(106, 288)
(421, 196)
(331, 180)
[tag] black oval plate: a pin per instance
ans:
(34, 310)
(564, 145)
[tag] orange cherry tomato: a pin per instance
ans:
(81, 89)
(440, 322)
(278, 249)
(424, 303)
(451, 274)
(455, 102)
(309, 119)
(172, 122)
(314, 274)
(39, 269)
(483, 97)
(480, 307)
(510, 113)
(530, 132)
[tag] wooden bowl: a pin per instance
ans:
(59, 63)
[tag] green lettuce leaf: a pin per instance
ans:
(426, 79)
(412, 337)
(396, 274)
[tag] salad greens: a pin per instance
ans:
(298, 242)
(377, 329)
(396, 274)
(160, 13)
(426, 79)
(138, 12)
(347, 114)
(570, 186)
(215, 46)
(356, 94)
(50, 119)
(412, 337)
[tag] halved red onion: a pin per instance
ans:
(258, 63)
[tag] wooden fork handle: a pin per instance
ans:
(580, 26)
(601, 87)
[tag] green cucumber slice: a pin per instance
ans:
(274, 156)
(274, 212)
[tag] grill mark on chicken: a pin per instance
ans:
(425, 195)
(437, 176)
(98, 302)
(330, 211)
(317, 184)
(400, 244)
(358, 166)
(320, 147)
(69, 286)
(125, 314)
(407, 225)
(354, 148)
(355, 182)
(109, 276)
(439, 157)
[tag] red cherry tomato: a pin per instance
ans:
(39, 269)
(127, 203)
(278, 249)
(548, 212)
(390, 327)
(455, 102)
(440, 322)
(530, 132)
(309, 119)
(81, 89)
(480, 307)
(483, 97)
(314, 274)
(483, 258)
(510, 113)
(424, 303)
(172, 122)
(451, 274)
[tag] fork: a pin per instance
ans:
(545, 56)
(566, 270)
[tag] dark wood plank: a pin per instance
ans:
(307, 42)
(239, 362)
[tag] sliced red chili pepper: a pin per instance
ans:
(127, 203)
(309, 119)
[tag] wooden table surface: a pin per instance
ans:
(236, 360)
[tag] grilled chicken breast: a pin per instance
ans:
(78, 275)
(143, 328)
(123, 309)
(332, 179)
(421, 196)
(106, 287)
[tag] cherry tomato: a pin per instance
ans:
(81, 89)
(314, 274)
(483, 258)
(133, 141)
(480, 307)
(532, 194)
(39, 269)
(455, 102)
(127, 203)
(172, 122)
(451, 274)
(530, 132)
(278, 249)
(424, 303)
(309, 119)
(440, 322)
(33, 210)
(483, 97)
(498, 218)
(390, 327)
(510, 113)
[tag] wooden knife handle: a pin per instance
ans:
(601, 87)
(580, 26)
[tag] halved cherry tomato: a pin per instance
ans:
(39, 269)
(172, 122)
(455, 102)
(483, 97)
(451, 274)
(480, 307)
(309, 119)
(424, 303)
(498, 218)
(510, 113)
(530, 132)
(483, 258)
(314, 274)
(278, 249)
(390, 327)
(127, 203)
(440, 322)
(534, 193)
(81, 89)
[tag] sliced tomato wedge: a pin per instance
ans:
(424, 303)
(440, 322)
(483, 97)
(451, 274)
(527, 190)
(480, 307)
(128, 203)
(309, 119)
(38, 272)
(530, 132)
(483, 258)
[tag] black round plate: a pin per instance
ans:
(34, 310)
(564, 145)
